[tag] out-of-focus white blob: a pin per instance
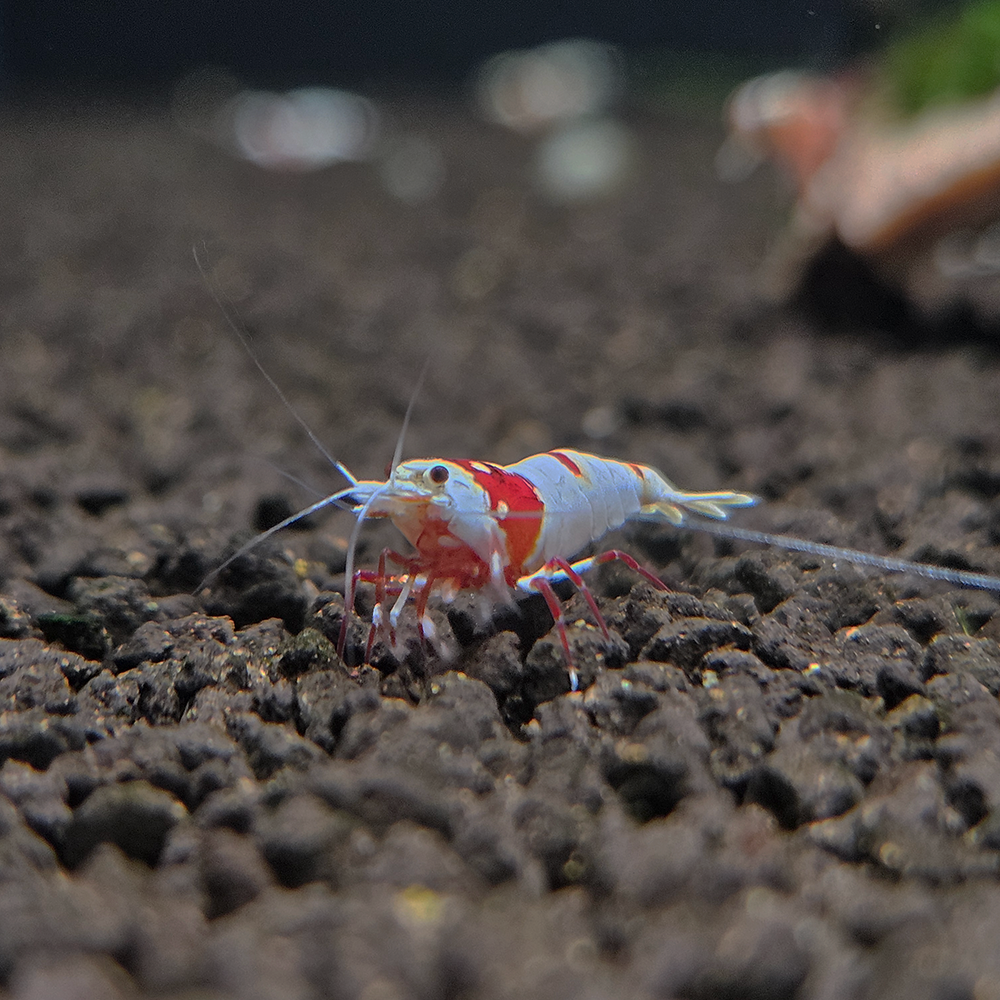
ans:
(412, 169)
(307, 129)
(303, 129)
(601, 422)
(585, 159)
(531, 89)
(987, 250)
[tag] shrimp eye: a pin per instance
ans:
(388, 470)
(438, 474)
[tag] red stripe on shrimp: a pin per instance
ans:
(510, 493)
(568, 462)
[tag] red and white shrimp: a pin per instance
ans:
(492, 529)
(476, 526)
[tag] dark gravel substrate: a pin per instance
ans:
(783, 780)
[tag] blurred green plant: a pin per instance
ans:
(953, 57)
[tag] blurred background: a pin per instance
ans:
(149, 44)
(298, 87)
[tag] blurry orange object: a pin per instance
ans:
(888, 189)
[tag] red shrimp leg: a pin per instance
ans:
(541, 582)
(381, 579)
(612, 555)
(542, 585)
(380, 620)
(573, 575)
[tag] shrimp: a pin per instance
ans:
(476, 526)
(498, 530)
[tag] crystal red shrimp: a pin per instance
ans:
(495, 529)
(476, 526)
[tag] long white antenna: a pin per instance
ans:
(397, 455)
(229, 310)
(352, 547)
(339, 499)
(961, 577)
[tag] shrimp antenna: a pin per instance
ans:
(228, 309)
(352, 544)
(961, 577)
(340, 499)
(301, 483)
(397, 455)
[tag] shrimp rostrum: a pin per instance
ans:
(476, 526)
